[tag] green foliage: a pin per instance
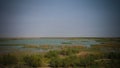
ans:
(69, 51)
(56, 62)
(87, 60)
(71, 61)
(8, 59)
(52, 54)
(105, 55)
(33, 60)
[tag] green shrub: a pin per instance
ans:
(8, 59)
(71, 61)
(69, 51)
(87, 60)
(33, 60)
(52, 54)
(56, 62)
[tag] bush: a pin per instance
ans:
(52, 54)
(33, 60)
(8, 59)
(69, 51)
(71, 61)
(87, 61)
(56, 62)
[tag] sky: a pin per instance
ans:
(59, 18)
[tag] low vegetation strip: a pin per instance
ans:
(105, 55)
(68, 57)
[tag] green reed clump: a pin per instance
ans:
(8, 59)
(33, 60)
(56, 62)
(69, 51)
(52, 54)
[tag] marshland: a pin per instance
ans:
(60, 52)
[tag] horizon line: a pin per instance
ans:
(65, 37)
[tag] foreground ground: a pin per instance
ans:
(104, 55)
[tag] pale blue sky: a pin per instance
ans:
(59, 18)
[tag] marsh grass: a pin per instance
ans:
(104, 55)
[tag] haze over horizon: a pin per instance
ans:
(59, 18)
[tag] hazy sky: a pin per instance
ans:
(59, 18)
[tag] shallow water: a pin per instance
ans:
(84, 42)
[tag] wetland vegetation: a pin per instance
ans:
(68, 54)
